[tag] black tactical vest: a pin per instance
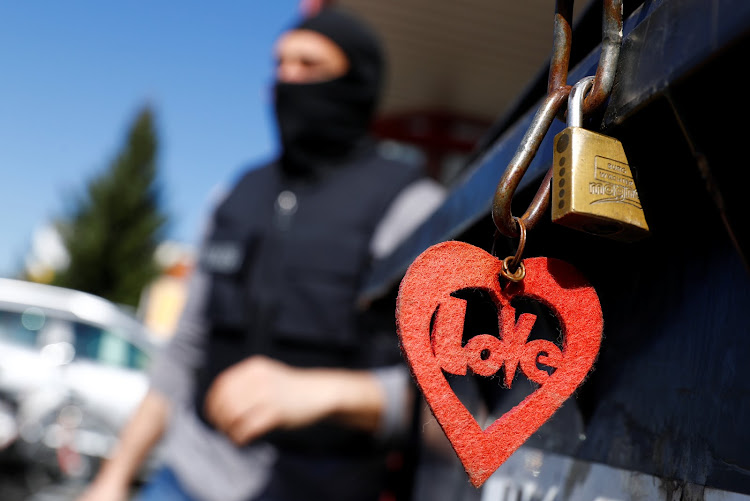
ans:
(286, 257)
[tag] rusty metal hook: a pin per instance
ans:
(607, 68)
(506, 188)
(557, 93)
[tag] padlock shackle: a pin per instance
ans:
(575, 101)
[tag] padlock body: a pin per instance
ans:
(593, 189)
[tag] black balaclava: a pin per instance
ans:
(321, 123)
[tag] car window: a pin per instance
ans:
(21, 328)
(107, 347)
(33, 329)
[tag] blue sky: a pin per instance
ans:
(74, 74)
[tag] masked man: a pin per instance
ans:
(276, 386)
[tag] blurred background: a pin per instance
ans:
(120, 123)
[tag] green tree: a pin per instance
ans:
(113, 229)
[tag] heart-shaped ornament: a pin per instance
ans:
(430, 325)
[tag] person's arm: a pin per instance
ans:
(170, 376)
(142, 432)
(259, 394)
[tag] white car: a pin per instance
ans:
(75, 366)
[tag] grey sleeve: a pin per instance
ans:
(173, 370)
(410, 209)
(395, 381)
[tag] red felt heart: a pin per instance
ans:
(425, 300)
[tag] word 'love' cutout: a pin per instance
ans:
(425, 304)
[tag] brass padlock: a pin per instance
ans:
(593, 189)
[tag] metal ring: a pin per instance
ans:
(521, 245)
(517, 275)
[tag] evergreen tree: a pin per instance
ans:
(113, 230)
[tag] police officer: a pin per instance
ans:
(276, 386)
